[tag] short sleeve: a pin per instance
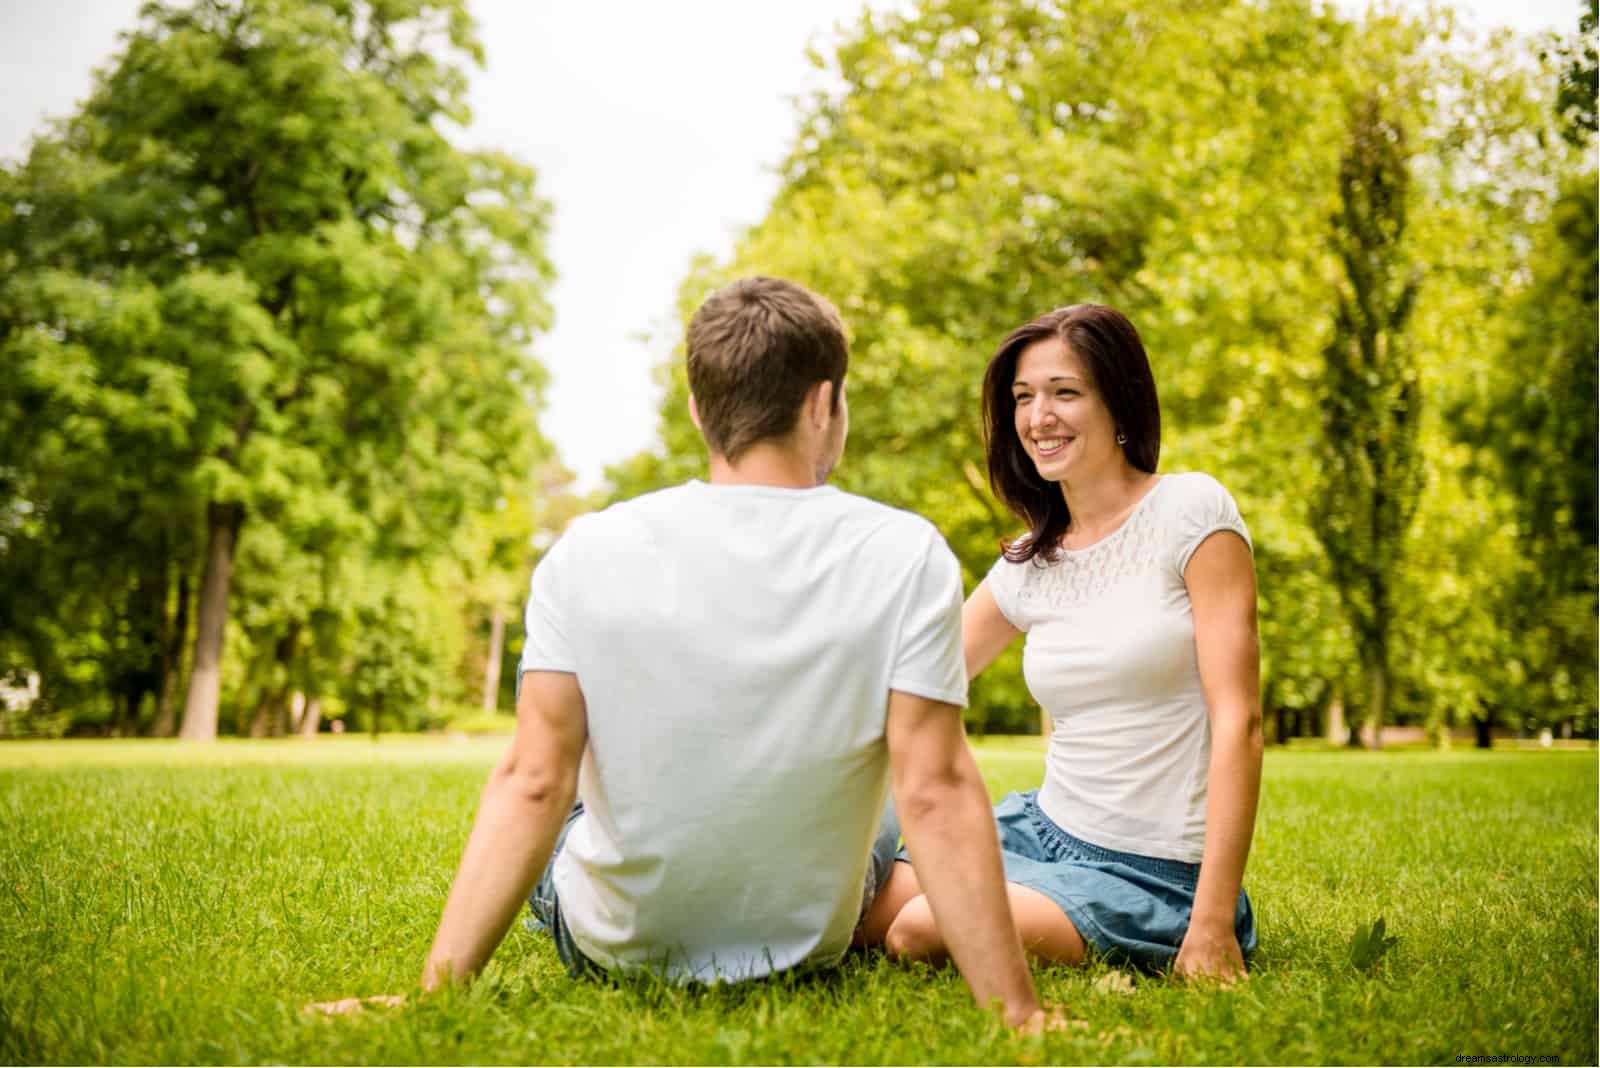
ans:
(928, 659)
(545, 646)
(1005, 581)
(1205, 508)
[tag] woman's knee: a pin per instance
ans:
(1047, 933)
(914, 935)
(900, 888)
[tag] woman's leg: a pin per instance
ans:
(1046, 932)
(901, 887)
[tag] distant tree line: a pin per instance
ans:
(1361, 252)
(268, 451)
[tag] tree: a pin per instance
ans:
(1580, 81)
(986, 161)
(498, 550)
(1372, 400)
(1534, 431)
(256, 252)
(980, 161)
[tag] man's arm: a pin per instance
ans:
(949, 828)
(528, 797)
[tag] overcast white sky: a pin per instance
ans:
(655, 129)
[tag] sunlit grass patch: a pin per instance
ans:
(165, 903)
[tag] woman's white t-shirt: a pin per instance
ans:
(1110, 656)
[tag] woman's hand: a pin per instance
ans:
(1210, 953)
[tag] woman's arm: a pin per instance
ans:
(985, 633)
(1222, 591)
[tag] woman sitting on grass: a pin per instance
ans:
(1137, 595)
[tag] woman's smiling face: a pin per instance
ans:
(1064, 426)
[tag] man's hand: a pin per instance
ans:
(1210, 952)
(1049, 1017)
(347, 1006)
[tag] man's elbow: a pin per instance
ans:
(535, 784)
(930, 798)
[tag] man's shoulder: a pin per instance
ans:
(870, 525)
(617, 518)
(896, 525)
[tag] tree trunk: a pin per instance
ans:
(1483, 729)
(124, 712)
(1337, 734)
(166, 721)
(205, 681)
(146, 630)
(491, 670)
(1377, 704)
(272, 714)
(312, 718)
(261, 720)
(287, 647)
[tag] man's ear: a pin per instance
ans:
(819, 404)
(694, 414)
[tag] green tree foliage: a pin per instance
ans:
(265, 335)
(499, 549)
(977, 162)
(1533, 429)
(1371, 405)
(1580, 80)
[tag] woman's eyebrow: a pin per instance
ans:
(1052, 378)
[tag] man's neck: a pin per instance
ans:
(765, 464)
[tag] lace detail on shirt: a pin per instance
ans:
(1081, 575)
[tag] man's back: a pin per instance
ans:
(736, 645)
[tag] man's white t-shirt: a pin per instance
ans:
(736, 646)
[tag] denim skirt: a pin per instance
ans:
(1130, 909)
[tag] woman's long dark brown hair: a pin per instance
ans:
(1112, 353)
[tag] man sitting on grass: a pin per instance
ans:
(728, 675)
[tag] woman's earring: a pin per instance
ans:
(1122, 439)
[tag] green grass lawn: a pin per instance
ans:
(172, 904)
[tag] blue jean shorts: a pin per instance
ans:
(546, 908)
(1131, 909)
(545, 904)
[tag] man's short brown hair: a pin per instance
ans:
(754, 348)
